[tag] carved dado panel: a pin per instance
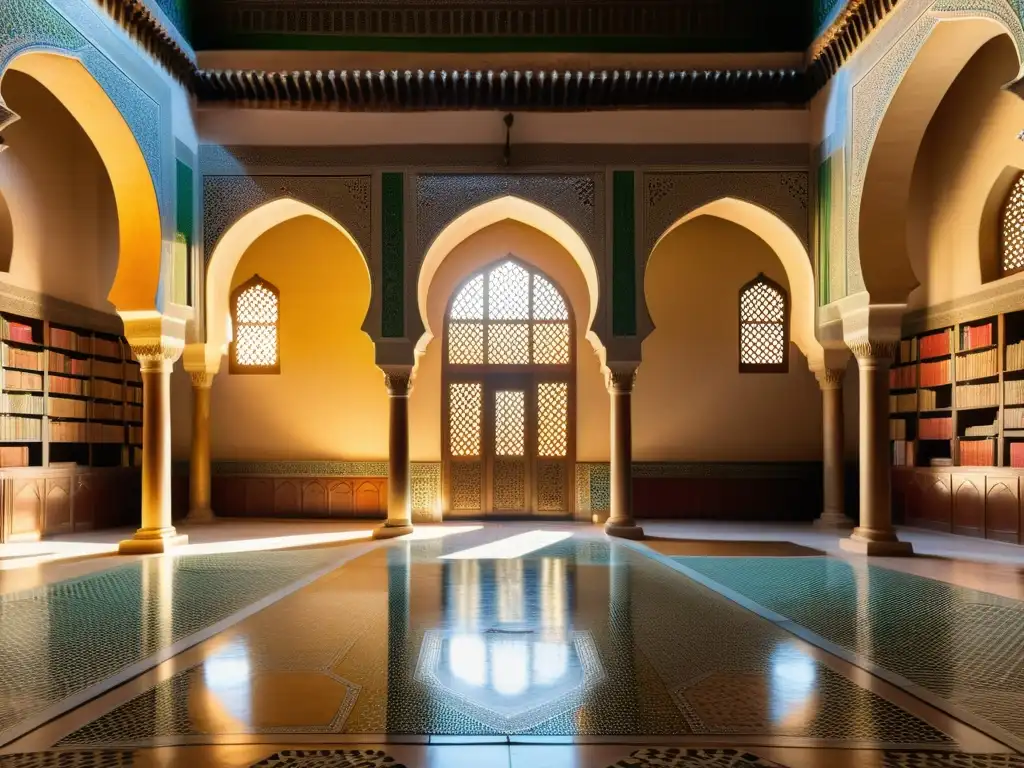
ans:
(670, 196)
(37, 25)
(576, 198)
(346, 199)
(873, 94)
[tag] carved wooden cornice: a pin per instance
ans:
(140, 24)
(839, 42)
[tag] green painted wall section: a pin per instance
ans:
(185, 220)
(824, 232)
(393, 255)
(623, 254)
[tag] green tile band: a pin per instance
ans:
(623, 254)
(185, 226)
(824, 216)
(393, 256)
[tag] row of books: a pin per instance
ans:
(908, 351)
(106, 433)
(936, 344)
(897, 429)
(60, 385)
(983, 430)
(1015, 356)
(1013, 418)
(23, 380)
(977, 395)
(63, 408)
(108, 390)
(14, 456)
(935, 374)
(15, 331)
(905, 403)
(978, 365)
(13, 428)
(135, 435)
(107, 370)
(977, 453)
(903, 453)
(133, 395)
(106, 347)
(133, 413)
(21, 358)
(1013, 393)
(928, 398)
(903, 378)
(937, 428)
(65, 339)
(975, 336)
(24, 404)
(61, 363)
(81, 432)
(106, 411)
(1017, 455)
(132, 372)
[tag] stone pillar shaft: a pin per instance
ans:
(620, 520)
(833, 449)
(200, 510)
(399, 521)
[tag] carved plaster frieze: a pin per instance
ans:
(576, 198)
(346, 199)
(668, 197)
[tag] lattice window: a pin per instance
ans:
(510, 423)
(1013, 229)
(255, 314)
(466, 343)
(551, 344)
(553, 419)
(548, 303)
(508, 292)
(469, 304)
(465, 418)
(508, 344)
(764, 327)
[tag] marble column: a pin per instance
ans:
(833, 449)
(199, 508)
(399, 522)
(157, 533)
(875, 534)
(620, 519)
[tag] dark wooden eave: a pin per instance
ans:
(839, 42)
(136, 19)
(541, 90)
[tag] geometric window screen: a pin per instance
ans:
(764, 327)
(1013, 229)
(509, 315)
(552, 419)
(510, 423)
(465, 417)
(255, 315)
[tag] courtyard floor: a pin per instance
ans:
(309, 645)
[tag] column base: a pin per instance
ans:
(634, 532)
(833, 520)
(864, 541)
(200, 517)
(599, 518)
(152, 542)
(388, 531)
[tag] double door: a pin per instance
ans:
(508, 446)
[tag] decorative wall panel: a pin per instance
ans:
(346, 199)
(623, 254)
(392, 222)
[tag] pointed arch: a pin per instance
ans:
(525, 212)
(140, 244)
(235, 241)
(791, 252)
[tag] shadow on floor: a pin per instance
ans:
(712, 548)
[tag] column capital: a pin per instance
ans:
(619, 379)
(156, 340)
(398, 380)
(875, 350)
(201, 379)
(830, 378)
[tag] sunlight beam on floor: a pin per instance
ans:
(272, 542)
(432, 532)
(510, 548)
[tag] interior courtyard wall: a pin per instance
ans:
(329, 401)
(64, 220)
(533, 247)
(690, 402)
(969, 144)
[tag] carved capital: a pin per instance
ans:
(157, 340)
(882, 351)
(157, 358)
(201, 379)
(620, 382)
(830, 378)
(398, 380)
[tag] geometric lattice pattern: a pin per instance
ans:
(256, 315)
(548, 303)
(509, 484)
(335, 758)
(466, 343)
(467, 486)
(1013, 228)
(949, 760)
(762, 324)
(552, 419)
(551, 344)
(465, 400)
(675, 757)
(508, 344)
(469, 304)
(551, 486)
(508, 292)
(510, 423)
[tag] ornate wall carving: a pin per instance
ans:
(577, 198)
(670, 196)
(873, 94)
(344, 198)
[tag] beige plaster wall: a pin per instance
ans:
(968, 158)
(475, 252)
(690, 402)
(63, 220)
(329, 401)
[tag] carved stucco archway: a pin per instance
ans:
(892, 105)
(231, 247)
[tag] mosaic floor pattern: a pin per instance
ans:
(960, 644)
(579, 638)
(61, 639)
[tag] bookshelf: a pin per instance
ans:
(70, 396)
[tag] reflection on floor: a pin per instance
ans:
(508, 645)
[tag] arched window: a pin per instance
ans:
(254, 313)
(1013, 229)
(764, 327)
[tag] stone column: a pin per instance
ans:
(199, 509)
(833, 450)
(875, 534)
(620, 519)
(399, 520)
(157, 533)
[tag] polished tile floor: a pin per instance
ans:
(514, 645)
